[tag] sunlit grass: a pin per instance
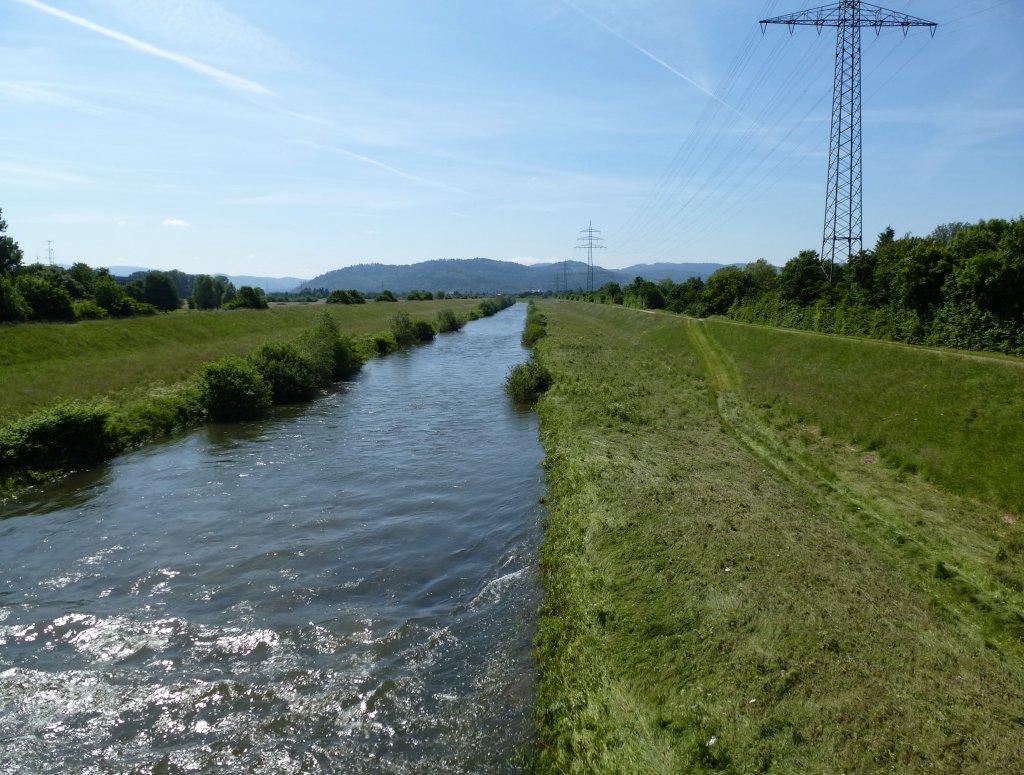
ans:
(43, 363)
(731, 591)
(955, 417)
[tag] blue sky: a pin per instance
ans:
(291, 138)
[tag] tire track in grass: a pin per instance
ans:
(916, 529)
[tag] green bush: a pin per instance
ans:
(488, 307)
(384, 344)
(533, 333)
(424, 331)
(291, 373)
(448, 321)
(65, 437)
(165, 410)
(536, 327)
(87, 309)
(234, 389)
(339, 296)
(527, 381)
(403, 329)
(334, 356)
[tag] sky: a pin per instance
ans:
(293, 138)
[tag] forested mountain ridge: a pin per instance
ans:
(485, 275)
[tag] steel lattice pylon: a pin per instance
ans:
(589, 241)
(844, 189)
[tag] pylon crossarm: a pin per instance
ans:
(849, 13)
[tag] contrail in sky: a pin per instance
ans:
(386, 167)
(661, 62)
(222, 77)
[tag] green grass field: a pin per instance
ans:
(731, 587)
(41, 363)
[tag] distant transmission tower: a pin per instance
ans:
(589, 241)
(843, 191)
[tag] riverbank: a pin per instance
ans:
(116, 359)
(91, 390)
(730, 587)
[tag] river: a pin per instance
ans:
(349, 586)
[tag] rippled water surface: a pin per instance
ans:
(347, 587)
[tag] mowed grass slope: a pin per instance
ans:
(957, 417)
(41, 363)
(725, 592)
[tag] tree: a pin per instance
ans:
(205, 294)
(46, 300)
(611, 293)
(248, 297)
(84, 275)
(112, 297)
(12, 304)
(723, 289)
(161, 292)
(993, 279)
(684, 298)
(762, 277)
(643, 294)
(803, 279)
(10, 253)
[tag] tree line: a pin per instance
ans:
(961, 286)
(45, 292)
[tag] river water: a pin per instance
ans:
(346, 587)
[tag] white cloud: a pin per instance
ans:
(224, 78)
(176, 222)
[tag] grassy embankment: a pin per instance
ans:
(118, 360)
(728, 588)
(75, 395)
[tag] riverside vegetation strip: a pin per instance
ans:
(742, 588)
(74, 395)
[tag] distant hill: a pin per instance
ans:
(485, 275)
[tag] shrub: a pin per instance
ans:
(233, 389)
(527, 381)
(291, 374)
(334, 356)
(403, 329)
(488, 307)
(63, 438)
(424, 331)
(448, 321)
(339, 296)
(533, 333)
(384, 344)
(87, 309)
(165, 410)
(385, 295)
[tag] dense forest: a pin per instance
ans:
(961, 286)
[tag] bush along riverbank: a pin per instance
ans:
(525, 382)
(728, 592)
(74, 435)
